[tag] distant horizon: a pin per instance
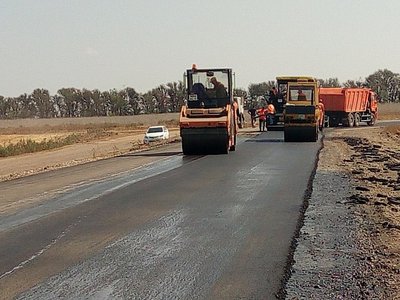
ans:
(109, 45)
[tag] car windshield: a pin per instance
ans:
(155, 129)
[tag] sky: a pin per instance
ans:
(113, 44)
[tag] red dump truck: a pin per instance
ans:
(349, 106)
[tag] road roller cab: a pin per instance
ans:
(208, 121)
(303, 115)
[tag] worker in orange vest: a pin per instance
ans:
(261, 118)
(270, 112)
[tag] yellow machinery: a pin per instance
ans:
(208, 120)
(279, 100)
(303, 114)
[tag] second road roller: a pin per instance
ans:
(303, 114)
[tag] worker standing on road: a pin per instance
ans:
(273, 95)
(270, 112)
(252, 112)
(261, 118)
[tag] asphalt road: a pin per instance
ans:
(203, 227)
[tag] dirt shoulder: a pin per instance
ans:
(349, 244)
(33, 163)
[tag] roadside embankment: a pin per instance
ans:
(349, 244)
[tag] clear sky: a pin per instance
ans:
(106, 44)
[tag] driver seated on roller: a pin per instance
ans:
(219, 88)
(301, 96)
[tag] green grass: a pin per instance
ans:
(30, 146)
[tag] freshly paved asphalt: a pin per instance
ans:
(204, 227)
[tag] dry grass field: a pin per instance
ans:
(59, 132)
(389, 111)
(53, 133)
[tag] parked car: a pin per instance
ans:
(156, 133)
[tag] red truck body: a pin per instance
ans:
(346, 100)
(349, 106)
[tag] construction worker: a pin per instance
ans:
(252, 112)
(322, 121)
(270, 112)
(261, 118)
(273, 95)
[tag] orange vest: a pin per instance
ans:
(261, 114)
(271, 109)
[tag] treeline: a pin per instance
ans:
(384, 83)
(72, 102)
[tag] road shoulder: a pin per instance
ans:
(348, 246)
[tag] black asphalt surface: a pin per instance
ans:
(204, 227)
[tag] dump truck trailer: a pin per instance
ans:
(208, 119)
(349, 106)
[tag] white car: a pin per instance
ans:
(156, 133)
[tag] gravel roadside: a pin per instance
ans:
(349, 243)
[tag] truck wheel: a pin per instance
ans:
(326, 121)
(373, 119)
(357, 119)
(350, 120)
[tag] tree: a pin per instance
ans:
(260, 89)
(71, 98)
(354, 84)
(330, 82)
(4, 107)
(44, 105)
(134, 100)
(59, 105)
(99, 104)
(117, 104)
(161, 98)
(385, 84)
(240, 92)
(176, 94)
(258, 93)
(28, 107)
(87, 103)
(149, 103)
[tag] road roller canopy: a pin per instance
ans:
(282, 82)
(208, 87)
